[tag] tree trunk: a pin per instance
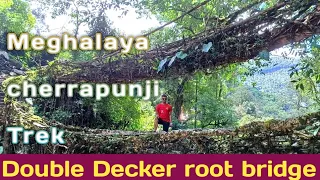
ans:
(179, 99)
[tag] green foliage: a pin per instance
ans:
(162, 37)
(60, 115)
(247, 119)
(15, 16)
(64, 55)
(213, 14)
(5, 4)
(120, 113)
(251, 104)
(312, 128)
(272, 96)
(214, 113)
(306, 75)
(203, 99)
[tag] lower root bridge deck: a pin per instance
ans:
(273, 137)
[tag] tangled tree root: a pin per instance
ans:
(274, 136)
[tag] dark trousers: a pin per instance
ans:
(165, 124)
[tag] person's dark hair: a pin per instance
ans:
(164, 95)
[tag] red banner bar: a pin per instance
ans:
(293, 167)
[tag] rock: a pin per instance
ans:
(19, 72)
(5, 54)
(12, 74)
(7, 68)
(5, 72)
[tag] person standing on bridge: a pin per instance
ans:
(163, 112)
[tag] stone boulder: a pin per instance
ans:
(8, 68)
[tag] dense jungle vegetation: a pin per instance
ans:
(270, 86)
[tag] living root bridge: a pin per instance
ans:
(279, 137)
(233, 42)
